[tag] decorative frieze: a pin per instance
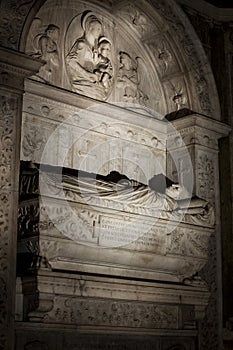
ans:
(112, 313)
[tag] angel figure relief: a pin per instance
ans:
(45, 47)
(129, 79)
(88, 61)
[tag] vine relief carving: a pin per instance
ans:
(13, 14)
(112, 313)
(206, 177)
(8, 110)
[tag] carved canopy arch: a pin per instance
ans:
(167, 68)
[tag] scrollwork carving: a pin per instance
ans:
(112, 313)
(13, 14)
(7, 113)
(206, 177)
(209, 325)
(189, 243)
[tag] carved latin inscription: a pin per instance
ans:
(134, 234)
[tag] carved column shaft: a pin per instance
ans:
(200, 136)
(14, 67)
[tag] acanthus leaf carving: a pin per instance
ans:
(13, 14)
(189, 243)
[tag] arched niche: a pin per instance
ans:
(174, 66)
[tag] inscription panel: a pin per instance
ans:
(132, 234)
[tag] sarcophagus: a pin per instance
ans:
(112, 225)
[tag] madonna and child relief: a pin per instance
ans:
(91, 58)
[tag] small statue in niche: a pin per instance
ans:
(128, 79)
(47, 50)
(88, 61)
(178, 97)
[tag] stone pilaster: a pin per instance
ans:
(199, 136)
(14, 68)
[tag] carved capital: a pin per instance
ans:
(199, 135)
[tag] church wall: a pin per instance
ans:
(173, 55)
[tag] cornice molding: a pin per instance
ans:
(19, 62)
(216, 13)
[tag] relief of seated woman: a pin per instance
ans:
(83, 60)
